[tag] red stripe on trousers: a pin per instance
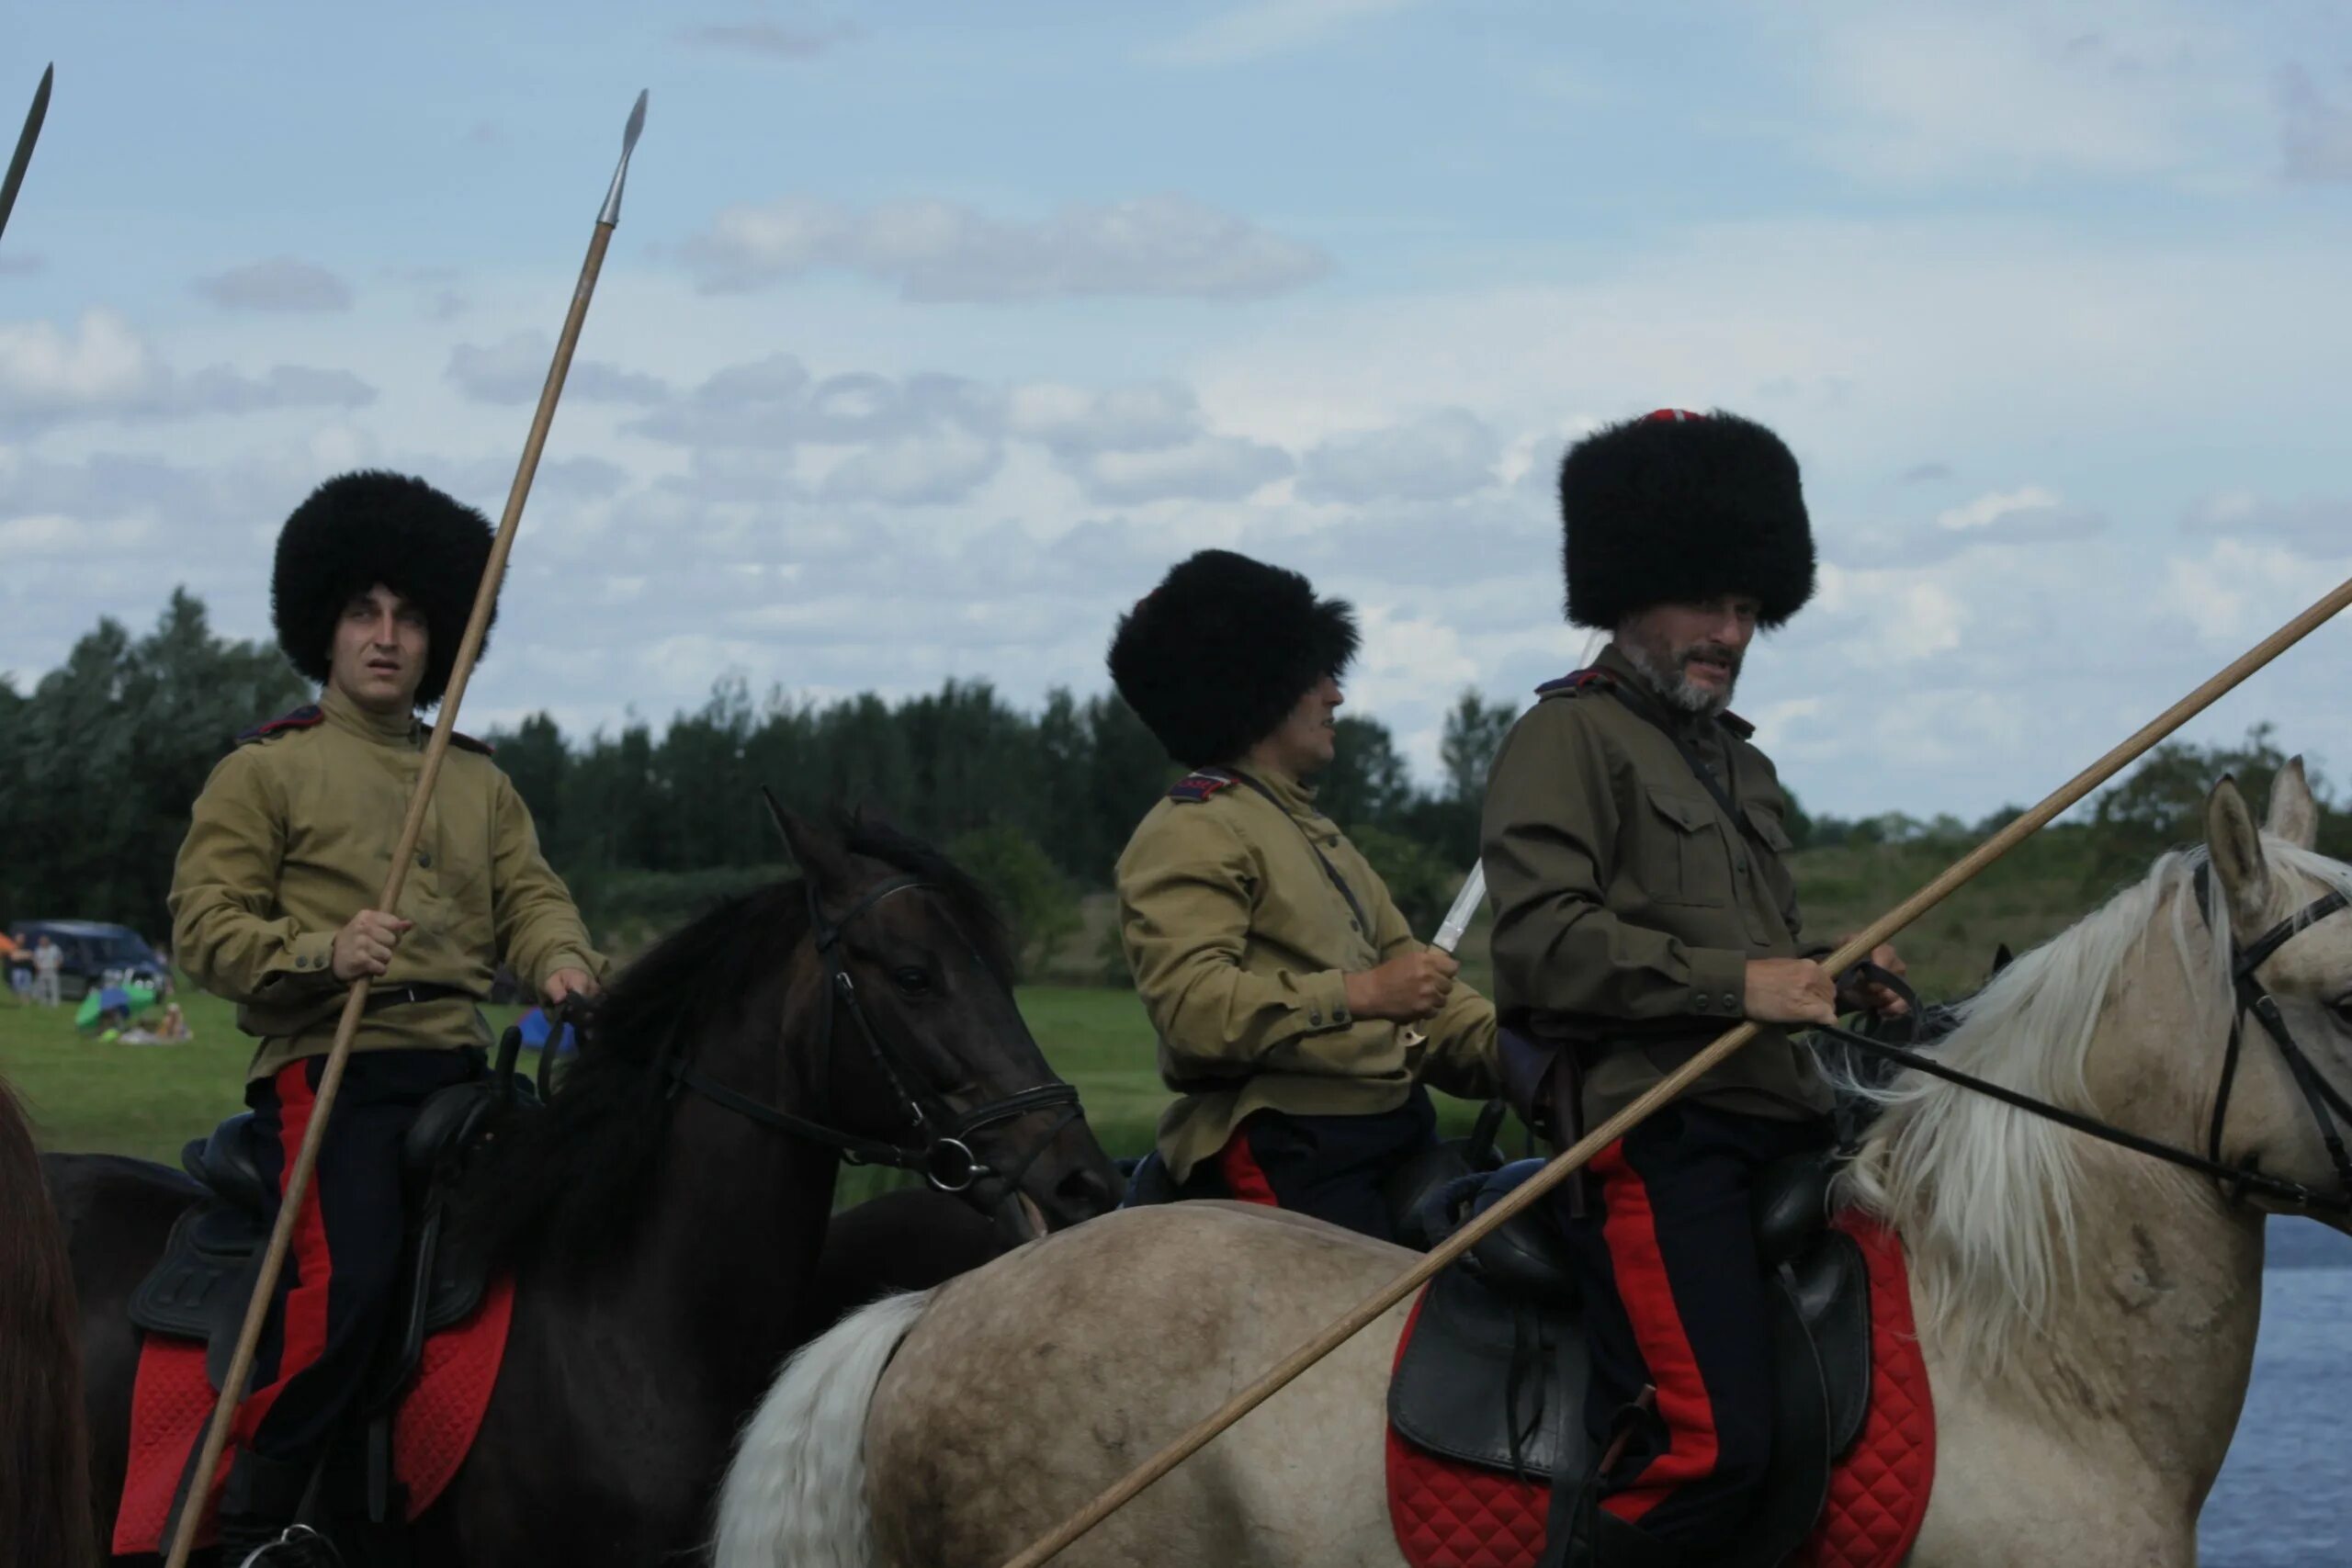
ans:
(303, 1336)
(1630, 1231)
(1244, 1178)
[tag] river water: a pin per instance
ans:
(2285, 1498)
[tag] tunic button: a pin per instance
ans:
(1730, 1001)
(301, 963)
(424, 859)
(1313, 1018)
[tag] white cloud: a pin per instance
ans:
(1258, 29)
(939, 251)
(1078, 419)
(2317, 526)
(2234, 594)
(1208, 467)
(280, 283)
(1439, 457)
(1993, 506)
(104, 370)
(514, 370)
(2005, 90)
(916, 470)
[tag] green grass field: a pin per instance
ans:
(149, 1100)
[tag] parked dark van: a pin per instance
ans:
(94, 954)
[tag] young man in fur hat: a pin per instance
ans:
(1635, 848)
(374, 579)
(1273, 963)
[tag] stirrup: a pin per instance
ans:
(297, 1546)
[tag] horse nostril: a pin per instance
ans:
(1086, 1192)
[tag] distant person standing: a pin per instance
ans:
(48, 960)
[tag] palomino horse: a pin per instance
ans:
(43, 1469)
(664, 1217)
(2087, 1312)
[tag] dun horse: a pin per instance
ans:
(2087, 1312)
(664, 1216)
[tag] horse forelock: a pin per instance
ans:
(1986, 1195)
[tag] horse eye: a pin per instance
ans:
(913, 981)
(2342, 1007)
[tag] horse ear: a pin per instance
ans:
(813, 849)
(2003, 957)
(2294, 815)
(2235, 846)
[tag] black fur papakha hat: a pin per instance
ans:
(360, 529)
(1215, 658)
(1681, 508)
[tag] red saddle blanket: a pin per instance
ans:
(432, 1429)
(1449, 1515)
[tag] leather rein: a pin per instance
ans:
(940, 1148)
(2251, 996)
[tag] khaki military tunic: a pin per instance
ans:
(294, 835)
(1241, 945)
(1627, 905)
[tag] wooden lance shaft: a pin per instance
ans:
(1570, 1159)
(306, 1159)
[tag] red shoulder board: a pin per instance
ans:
(303, 717)
(467, 743)
(1198, 785)
(1735, 723)
(1576, 682)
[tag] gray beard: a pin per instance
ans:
(1674, 688)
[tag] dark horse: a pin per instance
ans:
(665, 1216)
(43, 1470)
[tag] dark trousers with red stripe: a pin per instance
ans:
(334, 1292)
(1329, 1167)
(1674, 1300)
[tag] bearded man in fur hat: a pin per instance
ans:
(375, 576)
(1276, 967)
(1635, 843)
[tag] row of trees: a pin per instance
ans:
(99, 761)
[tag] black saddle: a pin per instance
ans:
(199, 1288)
(1496, 1372)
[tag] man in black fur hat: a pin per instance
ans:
(1634, 839)
(375, 576)
(1273, 961)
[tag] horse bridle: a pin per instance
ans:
(2250, 996)
(940, 1150)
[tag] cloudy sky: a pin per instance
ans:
(935, 331)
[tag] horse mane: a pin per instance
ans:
(1986, 1195)
(44, 1454)
(574, 1178)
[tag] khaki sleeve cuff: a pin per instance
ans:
(1325, 996)
(1718, 983)
(306, 964)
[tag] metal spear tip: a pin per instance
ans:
(611, 214)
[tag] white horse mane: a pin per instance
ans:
(1985, 1194)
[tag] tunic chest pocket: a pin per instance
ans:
(1689, 863)
(1767, 824)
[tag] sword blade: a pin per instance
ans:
(1465, 909)
(33, 118)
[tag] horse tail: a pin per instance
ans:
(44, 1448)
(795, 1496)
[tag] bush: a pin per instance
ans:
(1037, 902)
